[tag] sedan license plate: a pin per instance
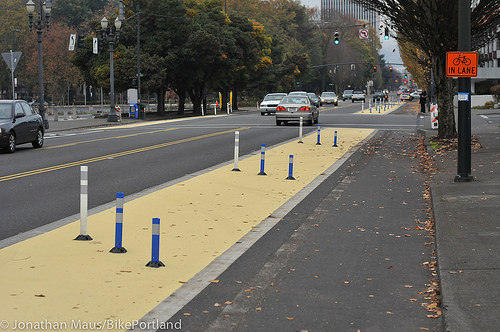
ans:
(292, 109)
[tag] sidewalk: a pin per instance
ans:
(468, 233)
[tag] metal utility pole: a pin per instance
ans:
(138, 10)
(464, 107)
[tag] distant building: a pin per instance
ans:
(334, 9)
(489, 60)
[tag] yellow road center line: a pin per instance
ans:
(113, 155)
(105, 139)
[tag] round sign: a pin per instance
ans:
(363, 33)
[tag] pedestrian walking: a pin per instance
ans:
(423, 100)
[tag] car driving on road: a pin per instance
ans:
(347, 95)
(19, 124)
(270, 102)
(294, 107)
(358, 95)
(330, 98)
(380, 96)
(315, 99)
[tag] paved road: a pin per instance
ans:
(136, 157)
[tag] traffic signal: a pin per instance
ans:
(375, 68)
(406, 76)
(386, 35)
(79, 41)
(390, 68)
(336, 37)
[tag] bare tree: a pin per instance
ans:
(432, 25)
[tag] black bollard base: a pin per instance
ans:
(119, 250)
(82, 237)
(290, 178)
(335, 145)
(318, 143)
(236, 170)
(262, 173)
(155, 264)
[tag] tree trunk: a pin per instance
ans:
(196, 95)
(160, 108)
(235, 98)
(225, 99)
(444, 92)
(182, 99)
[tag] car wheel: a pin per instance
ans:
(38, 143)
(353, 100)
(336, 104)
(279, 122)
(262, 113)
(11, 147)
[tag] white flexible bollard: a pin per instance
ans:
(84, 183)
(236, 150)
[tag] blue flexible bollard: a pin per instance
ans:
(262, 159)
(118, 248)
(290, 168)
(319, 135)
(155, 247)
(335, 139)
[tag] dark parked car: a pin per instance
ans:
(19, 124)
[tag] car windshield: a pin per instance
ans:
(328, 94)
(347, 91)
(5, 111)
(312, 95)
(273, 97)
(294, 100)
(358, 92)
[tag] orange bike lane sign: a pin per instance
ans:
(461, 64)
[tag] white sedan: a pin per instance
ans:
(414, 94)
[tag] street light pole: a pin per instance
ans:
(111, 39)
(46, 8)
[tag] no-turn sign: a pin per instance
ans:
(363, 33)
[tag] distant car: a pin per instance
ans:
(270, 102)
(315, 99)
(330, 98)
(405, 95)
(415, 94)
(292, 108)
(347, 95)
(19, 124)
(358, 95)
(298, 93)
(380, 96)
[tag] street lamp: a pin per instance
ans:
(45, 7)
(109, 34)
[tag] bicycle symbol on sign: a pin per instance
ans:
(461, 59)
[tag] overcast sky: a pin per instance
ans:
(387, 45)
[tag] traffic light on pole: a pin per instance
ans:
(79, 41)
(390, 68)
(375, 68)
(336, 37)
(386, 35)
